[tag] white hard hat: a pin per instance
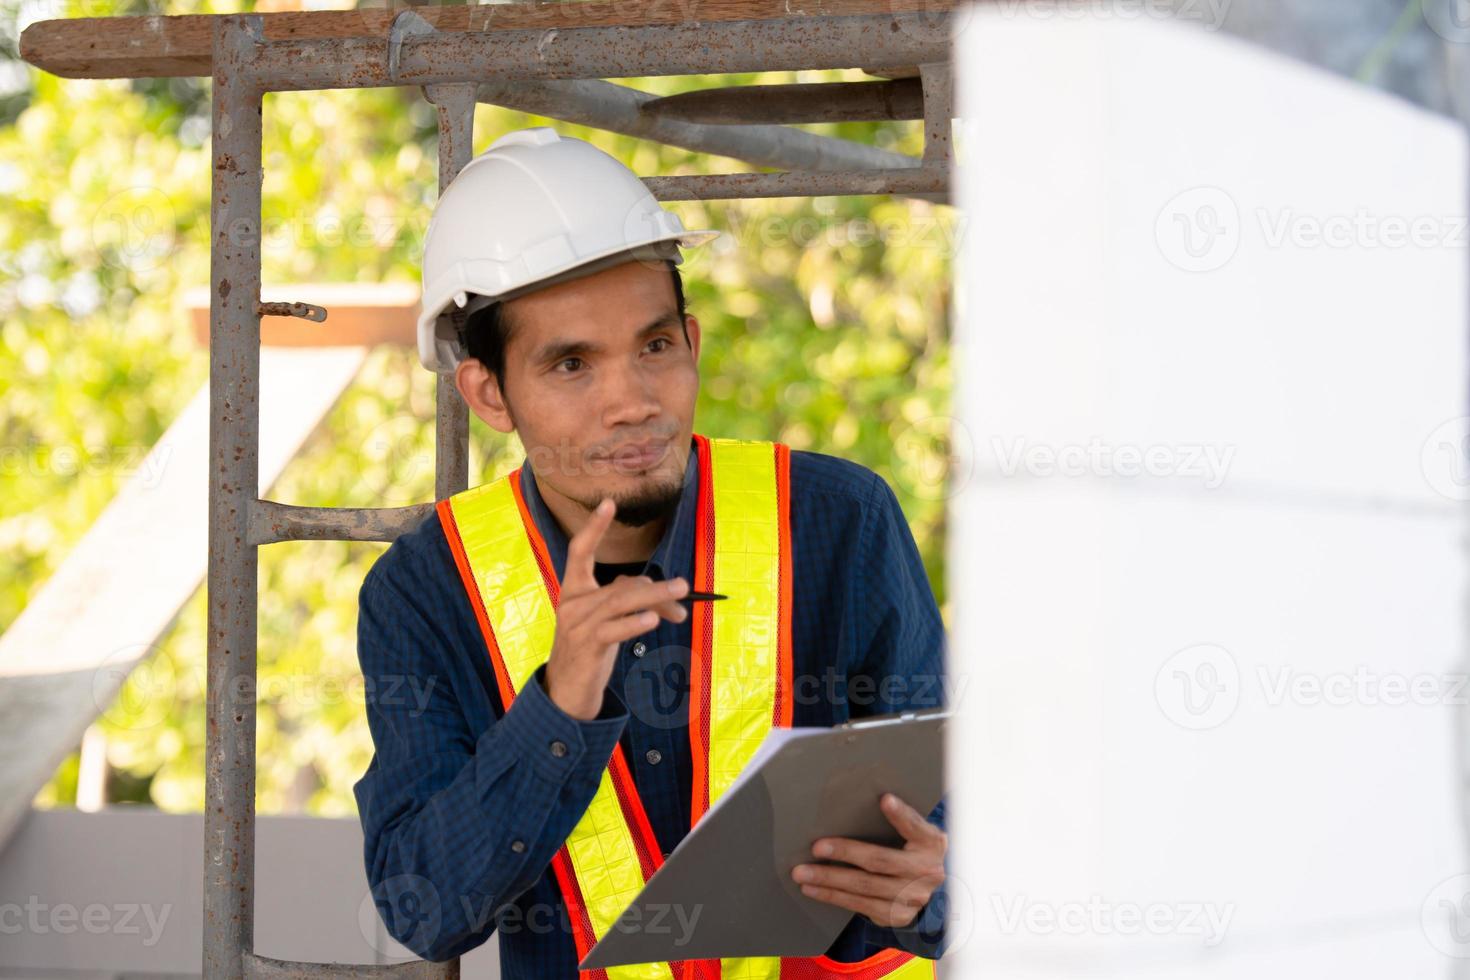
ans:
(535, 208)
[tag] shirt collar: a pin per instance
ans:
(674, 555)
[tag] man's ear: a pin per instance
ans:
(692, 325)
(481, 392)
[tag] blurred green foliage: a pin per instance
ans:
(825, 326)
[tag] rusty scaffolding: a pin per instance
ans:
(551, 59)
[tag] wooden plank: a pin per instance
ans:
(359, 314)
(162, 46)
(101, 614)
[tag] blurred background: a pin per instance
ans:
(825, 323)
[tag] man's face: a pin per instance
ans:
(594, 368)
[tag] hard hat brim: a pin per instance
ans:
(438, 344)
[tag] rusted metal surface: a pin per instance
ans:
(703, 187)
(828, 102)
(306, 311)
(234, 442)
(154, 46)
(456, 105)
(608, 52)
(938, 83)
(265, 968)
(272, 521)
(618, 109)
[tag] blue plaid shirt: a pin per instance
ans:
(464, 804)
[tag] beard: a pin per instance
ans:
(644, 505)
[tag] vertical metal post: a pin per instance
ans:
(234, 439)
(938, 84)
(456, 104)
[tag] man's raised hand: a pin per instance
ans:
(592, 619)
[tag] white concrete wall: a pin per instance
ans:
(1207, 540)
(121, 892)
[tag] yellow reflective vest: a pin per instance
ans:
(740, 683)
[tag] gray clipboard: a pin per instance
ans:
(726, 889)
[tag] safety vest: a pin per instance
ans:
(740, 651)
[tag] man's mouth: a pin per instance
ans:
(639, 456)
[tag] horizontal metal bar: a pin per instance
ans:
(265, 968)
(713, 187)
(870, 40)
(822, 102)
(271, 521)
(616, 108)
(307, 311)
(149, 46)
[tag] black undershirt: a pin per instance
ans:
(605, 572)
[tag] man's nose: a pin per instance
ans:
(630, 396)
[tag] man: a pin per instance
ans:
(549, 717)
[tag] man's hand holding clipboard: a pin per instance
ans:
(889, 885)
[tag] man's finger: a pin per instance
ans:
(881, 911)
(579, 575)
(853, 881)
(909, 822)
(626, 595)
(876, 858)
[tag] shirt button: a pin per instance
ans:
(518, 846)
(639, 649)
(654, 757)
(558, 748)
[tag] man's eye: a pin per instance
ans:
(660, 340)
(570, 360)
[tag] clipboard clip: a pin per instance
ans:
(895, 718)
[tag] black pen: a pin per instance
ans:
(702, 596)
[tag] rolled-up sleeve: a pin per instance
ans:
(901, 668)
(457, 823)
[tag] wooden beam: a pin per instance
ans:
(157, 46)
(359, 314)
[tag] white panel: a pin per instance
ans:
(1207, 530)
